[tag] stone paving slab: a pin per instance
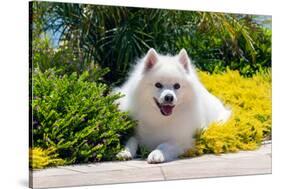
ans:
(105, 177)
(232, 164)
(98, 167)
(245, 166)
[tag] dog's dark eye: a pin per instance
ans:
(177, 86)
(158, 85)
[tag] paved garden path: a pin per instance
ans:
(242, 163)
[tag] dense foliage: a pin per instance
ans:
(76, 117)
(79, 52)
(63, 60)
(115, 36)
(250, 102)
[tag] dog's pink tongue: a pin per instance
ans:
(167, 109)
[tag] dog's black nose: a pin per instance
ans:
(169, 98)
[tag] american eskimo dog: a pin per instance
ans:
(166, 97)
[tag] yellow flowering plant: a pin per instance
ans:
(40, 158)
(250, 123)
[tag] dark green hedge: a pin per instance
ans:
(77, 117)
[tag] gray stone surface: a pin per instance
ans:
(232, 164)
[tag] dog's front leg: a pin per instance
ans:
(130, 149)
(164, 152)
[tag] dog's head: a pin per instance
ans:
(166, 83)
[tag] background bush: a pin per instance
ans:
(115, 36)
(63, 60)
(76, 117)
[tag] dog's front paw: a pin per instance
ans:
(124, 155)
(156, 156)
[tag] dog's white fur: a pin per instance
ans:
(168, 136)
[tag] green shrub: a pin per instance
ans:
(77, 117)
(213, 51)
(62, 59)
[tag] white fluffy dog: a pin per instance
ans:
(166, 97)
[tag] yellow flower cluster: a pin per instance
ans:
(250, 123)
(40, 158)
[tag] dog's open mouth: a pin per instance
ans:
(165, 109)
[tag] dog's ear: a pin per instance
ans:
(150, 59)
(184, 59)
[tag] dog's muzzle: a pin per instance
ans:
(166, 109)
